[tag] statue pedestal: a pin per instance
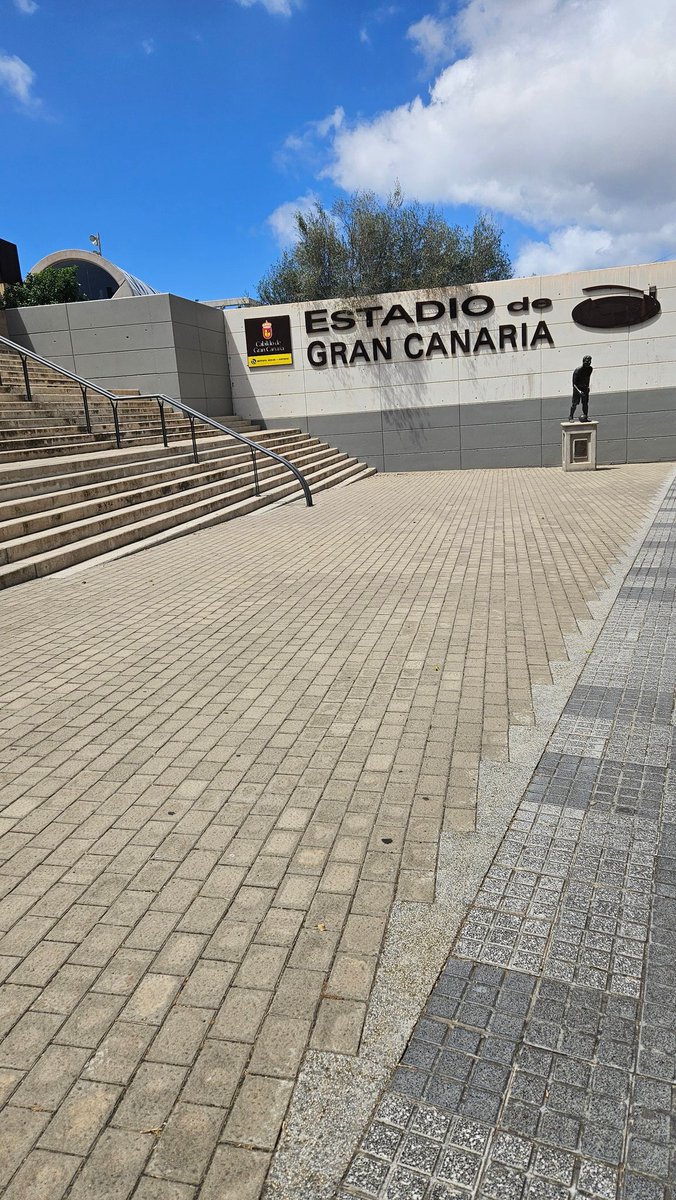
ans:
(578, 445)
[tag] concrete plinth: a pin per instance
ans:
(578, 445)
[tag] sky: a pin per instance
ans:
(188, 135)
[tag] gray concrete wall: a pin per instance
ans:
(201, 356)
(154, 343)
(489, 408)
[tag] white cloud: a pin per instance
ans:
(148, 45)
(334, 121)
(377, 16)
(559, 114)
(574, 248)
(27, 7)
(305, 144)
(17, 78)
(278, 8)
(282, 220)
(431, 39)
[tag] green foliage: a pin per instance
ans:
(362, 247)
(54, 285)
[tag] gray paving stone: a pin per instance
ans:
(187, 1143)
(123, 972)
(150, 1097)
(43, 1176)
(180, 1036)
(14, 1001)
(91, 1020)
(29, 1037)
(19, 1130)
(235, 1173)
(258, 1112)
(80, 1118)
(163, 1189)
(119, 1053)
(241, 1014)
(216, 1073)
(152, 998)
(51, 1078)
(113, 1166)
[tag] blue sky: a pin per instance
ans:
(187, 135)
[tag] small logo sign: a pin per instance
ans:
(615, 307)
(268, 341)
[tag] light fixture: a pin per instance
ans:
(95, 239)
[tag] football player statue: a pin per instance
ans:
(581, 377)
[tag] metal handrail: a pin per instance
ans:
(192, 414)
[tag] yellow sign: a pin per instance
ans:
(270, 360)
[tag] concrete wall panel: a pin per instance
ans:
(421, 441)
(433, 461)
(43, 318)
(359, 445)
(132, 310)
(354, 422)
(609, 452)
(437, 417)
(503, 456)
(652, 424)
(657, 449)
(55, 346)
(506, 434)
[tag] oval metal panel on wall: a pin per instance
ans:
(615, 312)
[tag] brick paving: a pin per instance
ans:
(222, 761)
(543, 1063)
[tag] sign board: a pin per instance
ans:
(10, 271)
(268, 341)
(608, 306)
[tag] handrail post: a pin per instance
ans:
(26, 380)
(163, 423)
(257, 490)
(194, 439)
(85, 403)
(116, 419)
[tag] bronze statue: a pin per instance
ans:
(581, 377)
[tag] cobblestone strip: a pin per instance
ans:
(543, 1064)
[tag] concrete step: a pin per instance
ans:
(75, 443)
(60, 490)
(16, 523)
(67, 495)
(349, 475)
(31, 473)
(174, 523)
(37, 414)
(31, 436)
(57, 536)
(56, 441)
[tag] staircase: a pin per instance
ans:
(68, 494)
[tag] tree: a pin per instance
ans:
(362, 247)
(54, 285)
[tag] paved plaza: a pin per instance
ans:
(239, 772)
(544, 1060)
